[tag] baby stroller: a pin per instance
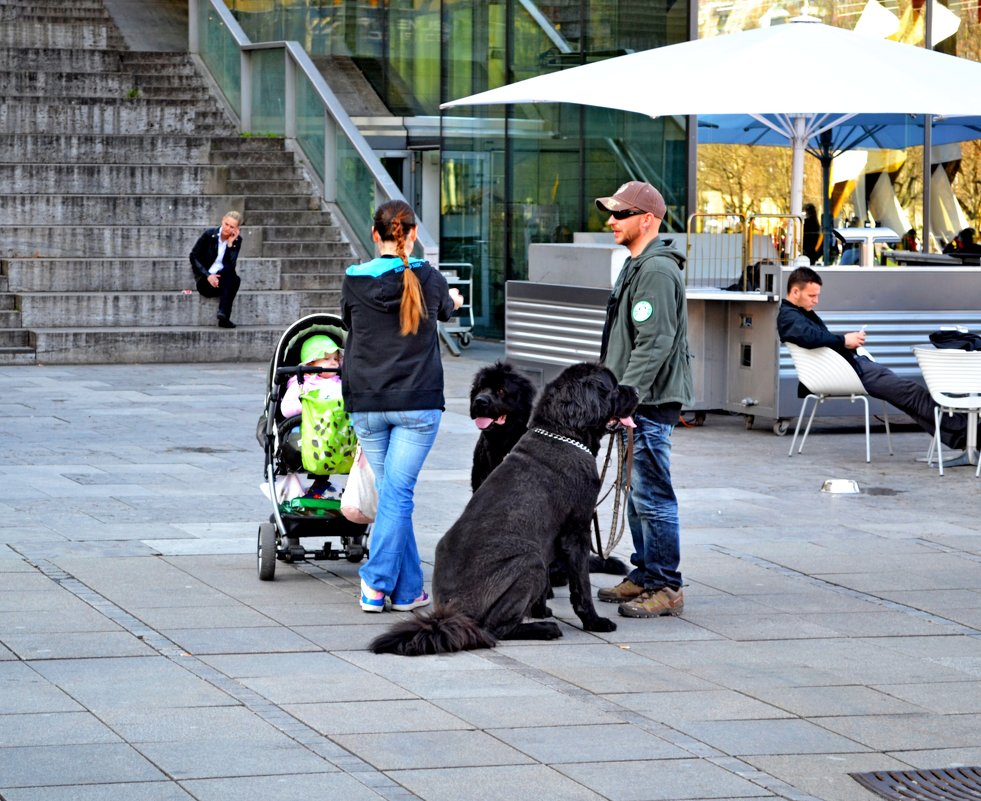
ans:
(295, 516)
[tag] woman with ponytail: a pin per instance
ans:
(393, 390)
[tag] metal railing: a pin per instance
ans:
(725, 250)
(275, 88)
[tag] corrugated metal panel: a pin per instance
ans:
(552, 333)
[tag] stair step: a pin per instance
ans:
(103, 241)
(268, 219)
(305, 249)
(84, 148)
(241, 143)
(144, 179)
(14, 5)
(156, 344)
(128, 274)
(248, 161)
(17, 356)
(311, 282)
(287, 202)
(61, 59)
(199, 210)
(88, 85)
(39, 13)
(128, 309)
(120, 116)
(19, 338)
(325, 301)
(333, 265)
(68, 34)
(299, 233)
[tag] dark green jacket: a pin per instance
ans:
(645, 339)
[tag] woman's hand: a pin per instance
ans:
(456, 297)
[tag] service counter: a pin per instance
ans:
(738, 364)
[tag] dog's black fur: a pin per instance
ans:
(505, 397)
(500, 391)
(492, 565)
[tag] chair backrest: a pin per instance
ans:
(950, 374)
(825, 371)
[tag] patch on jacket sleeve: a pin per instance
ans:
(642, 311)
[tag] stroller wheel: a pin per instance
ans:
(266, 552)
(355, 553)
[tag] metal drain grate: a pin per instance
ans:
(947, 784)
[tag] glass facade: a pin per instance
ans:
(512, 176)
(508, 176)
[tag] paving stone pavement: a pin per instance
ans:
(141, 658)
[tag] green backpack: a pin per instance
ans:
(327, 438)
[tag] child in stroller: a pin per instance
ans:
(306, 464)
(318, 350)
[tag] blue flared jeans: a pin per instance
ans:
(652, 509)
(396, 445)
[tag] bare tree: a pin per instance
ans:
(746, 176)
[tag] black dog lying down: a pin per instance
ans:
(501, 400)
(492, 565)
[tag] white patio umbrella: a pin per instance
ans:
(761, 73)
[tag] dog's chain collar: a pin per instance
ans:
(560, 438)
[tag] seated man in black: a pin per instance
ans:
(797, 323)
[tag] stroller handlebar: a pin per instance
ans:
(305, 369)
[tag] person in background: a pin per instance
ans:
(645, 344)
(908, 242)
(811, 241)
(798, 323)
(963, 243)
(393, 390)
(213, 260)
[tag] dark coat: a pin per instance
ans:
(205, 251)
(805, 328)
(383, 370)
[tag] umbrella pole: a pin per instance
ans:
(797, 180)
(826, 221)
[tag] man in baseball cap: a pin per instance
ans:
(645, 344)
(634, 195)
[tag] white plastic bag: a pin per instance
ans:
(359, 501)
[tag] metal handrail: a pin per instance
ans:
(296, 58)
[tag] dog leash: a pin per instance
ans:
(625, 460)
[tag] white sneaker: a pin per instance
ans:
(422, 600)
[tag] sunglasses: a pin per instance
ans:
(624, 213)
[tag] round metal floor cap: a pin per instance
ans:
(840, 486)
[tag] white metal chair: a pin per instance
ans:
(828, 376)
(953, 378)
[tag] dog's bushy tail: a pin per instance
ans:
(444, 630)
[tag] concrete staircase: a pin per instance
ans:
(113, 162)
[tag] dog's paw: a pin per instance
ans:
(552, 633)
(539, 610)
(599, 624)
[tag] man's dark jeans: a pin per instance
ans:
(912, 399)
(652, 510)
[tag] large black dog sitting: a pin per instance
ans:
(492, 565)
(501, 399)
